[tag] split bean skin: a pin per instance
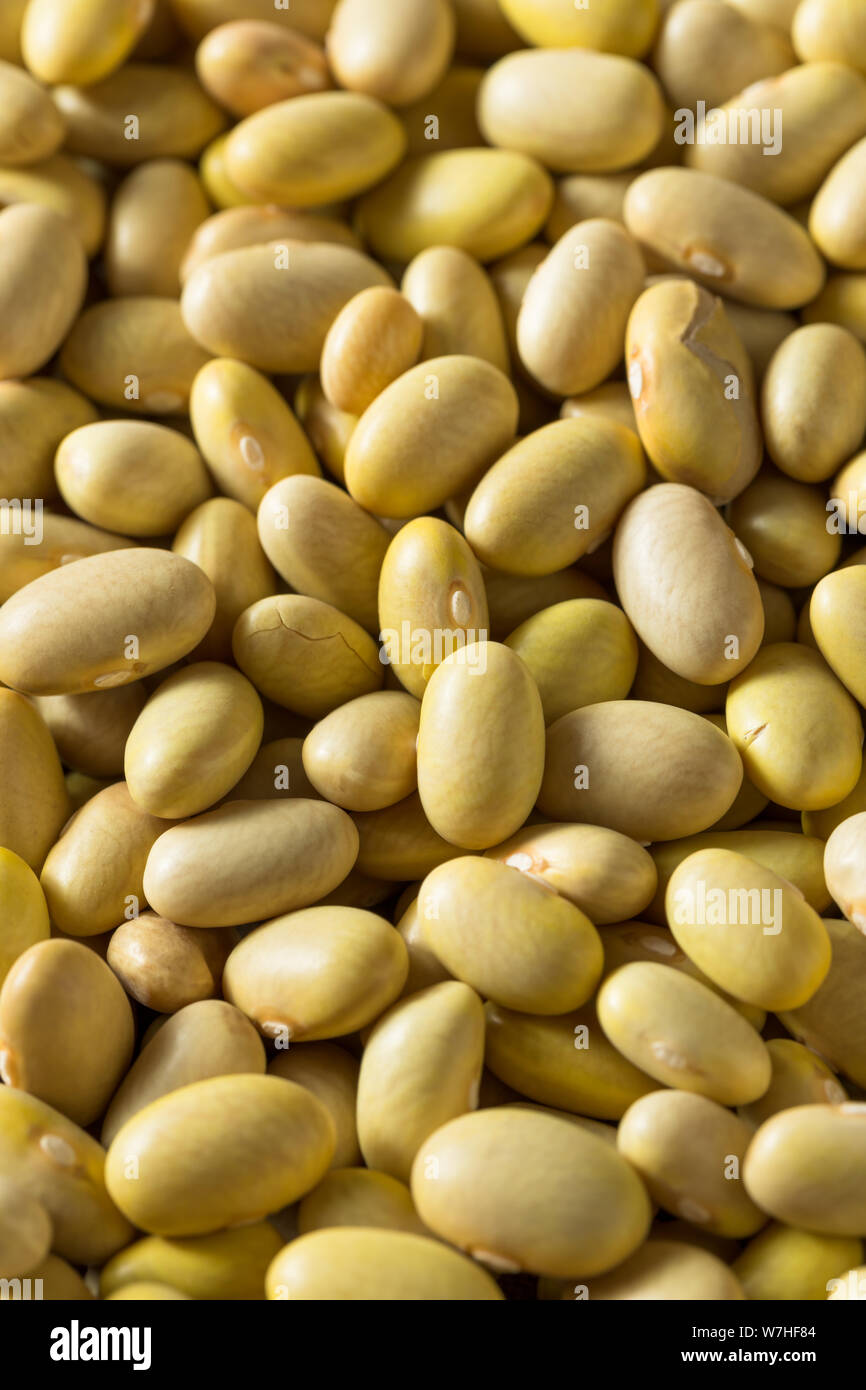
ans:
(433, 650)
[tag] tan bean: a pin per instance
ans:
(76, 1062)
(41, 286)
(164, 966)
(248, 63)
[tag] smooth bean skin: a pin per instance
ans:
(78, 1065)
(682, 1145)
(799, 1077)
(60, 183)
(697, 223)
(362, 755)
(218, 1152)
(831, 1021)
(686, 585)
(579, 196)
(44, 273)
(430, 585)
(594, 273)
(681, 1033)
(399, 843)
(480, 703)
(247, 433)
(793, 749)
(630, 941)
(796, 858)
(805, 1168)
(248, 64)
(131, 476)
(776, 958)
(133, 354)
(606, 875)
(23, 910)
(226, 1265)
(331, 1073)
(397, 58)
(314, 149)
(509, 936)
(90, 734)
(272, 305)
(670, 1271)
(457, 305)
(58, 46)
(220, 537)
(833, 30)
(249, 860)
(324, 544)
(329, 429)
(146, 610)
(783, 523)
(547, 643)
(156, 210)
(829, 97)
(640, 768)
(813, 401)
(273, 642)
(610, 400)
(359, 1197)
(164, 966)
(31, 127)
(571, 109)
(627, 26)
(468, 1182)
(57, 1163)
(199, 17)
(207, 1038)
(487, 202)
(836, 214)
(421, 1067)
(425, 968)
(25, 1231)
(35, 802)
(174, 116)
(347, 1265)
(458, 412)
(835, 613)
(373, 340)
(782, 1262)
(93, 875)
(525, 519)
(565, 1061)
(691, 385)
(222, 191)
(316, 974)
(35, 416)
(706, 53)
(195, 737)
(255, 224)
(843, 865)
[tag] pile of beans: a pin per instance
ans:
(433, 649)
